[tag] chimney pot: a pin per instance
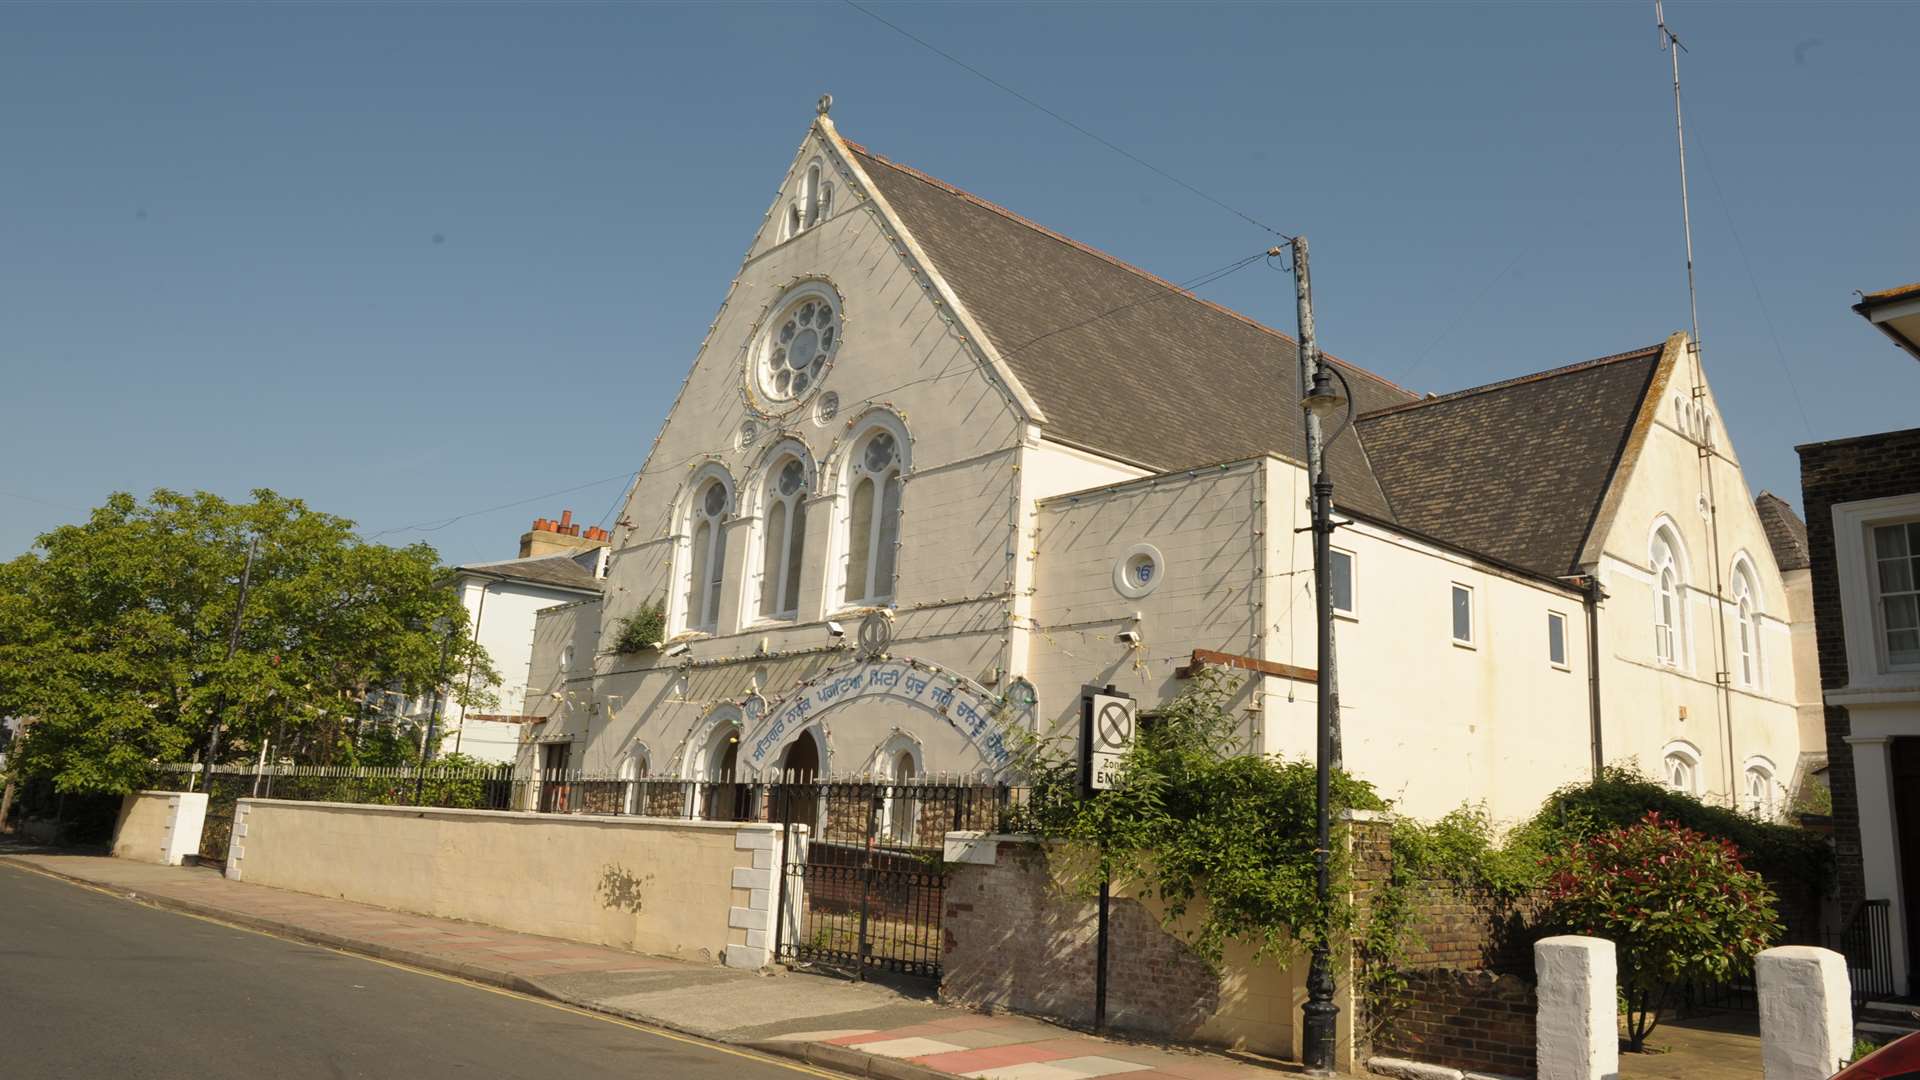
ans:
(566, 518)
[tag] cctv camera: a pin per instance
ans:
(836, 629)
(1131, 637)
(679, 650)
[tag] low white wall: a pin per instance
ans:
(690, 889)
(159, 826)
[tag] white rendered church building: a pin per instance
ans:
(935, 468)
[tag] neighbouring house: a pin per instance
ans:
(1862, 501)
(1896, 313)
(559, 563)
(936, 468)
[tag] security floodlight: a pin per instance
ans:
(677, 650)
(836, 629)
(1131, 637)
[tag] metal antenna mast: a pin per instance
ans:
(1722, 676)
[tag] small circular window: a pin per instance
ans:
(798, 344)
(1139, 571)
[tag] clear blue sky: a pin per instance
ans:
(411, 261)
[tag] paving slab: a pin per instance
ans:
(862, 1029)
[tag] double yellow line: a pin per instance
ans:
(604, 1018)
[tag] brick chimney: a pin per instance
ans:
(563, 537)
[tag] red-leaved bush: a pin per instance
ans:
(1678, 905)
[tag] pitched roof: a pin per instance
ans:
(559, 571)
(1115, 356)
(1516, 470)
(1786, 533)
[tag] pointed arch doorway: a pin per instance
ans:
(798, 775)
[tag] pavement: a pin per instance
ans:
(860, 1029)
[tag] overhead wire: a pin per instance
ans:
(1103, 141)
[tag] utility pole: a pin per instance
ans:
(1320, 1012)
(233, 646)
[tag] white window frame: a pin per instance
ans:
(1688, 754)
(791, 569)
(1749, 650)
(688, 614)
(1351, 611)
(1566, 641)
(1668, 566)
(1471, 641)
(851, 471)
(1768, 806)
(1860, 615)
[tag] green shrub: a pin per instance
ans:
(1623, 796)
(641, 630)
(1678, 905)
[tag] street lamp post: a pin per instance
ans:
(1320, 1013)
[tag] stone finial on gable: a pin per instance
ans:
(825, 104)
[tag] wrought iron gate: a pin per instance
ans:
(861, 886)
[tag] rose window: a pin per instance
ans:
(799, 346)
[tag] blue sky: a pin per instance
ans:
(415, 261)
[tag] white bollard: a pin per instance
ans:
(1806, 1012)
(1577, 1028)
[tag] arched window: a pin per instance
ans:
(874, 469)
(1760, 789)
(1681, 768)
(633, 770)
(1669, 612)
(783, 537)
(811, 204)
(1746, 602)
(706, 552)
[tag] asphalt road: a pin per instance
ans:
(98, 987)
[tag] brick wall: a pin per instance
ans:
(1468, 999)
(1846, 470)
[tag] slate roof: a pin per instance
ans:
(1516, 470)
(560, 571)
(1786, 533)
(1115, 357)
(1131, 366)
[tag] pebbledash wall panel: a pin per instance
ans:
(690, 889)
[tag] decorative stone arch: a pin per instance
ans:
(966, 707)
(1761, 788)
(1749, 604)
(1680, 764)
(875, 513)
(635, 765)
(1670, 570)
(681, 616)
(769, 557)
(900, 759)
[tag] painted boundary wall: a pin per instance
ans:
(1013, 939)
(697, 890)
(159, 826)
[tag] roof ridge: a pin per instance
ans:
(1054, 234)
(1551, 373)
(517, 561)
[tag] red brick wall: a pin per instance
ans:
(1468, 1000)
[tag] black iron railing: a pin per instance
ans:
(1865, 940)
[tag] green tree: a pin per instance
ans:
(1678, 905)
(114, 635)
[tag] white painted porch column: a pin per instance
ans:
(1880, 843)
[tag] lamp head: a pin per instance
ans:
(1323, 400)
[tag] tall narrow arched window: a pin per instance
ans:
(873, 515)
(1760, 786)
(1747, 629)
(706, 554)
(783, 538)
(1669, 613)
